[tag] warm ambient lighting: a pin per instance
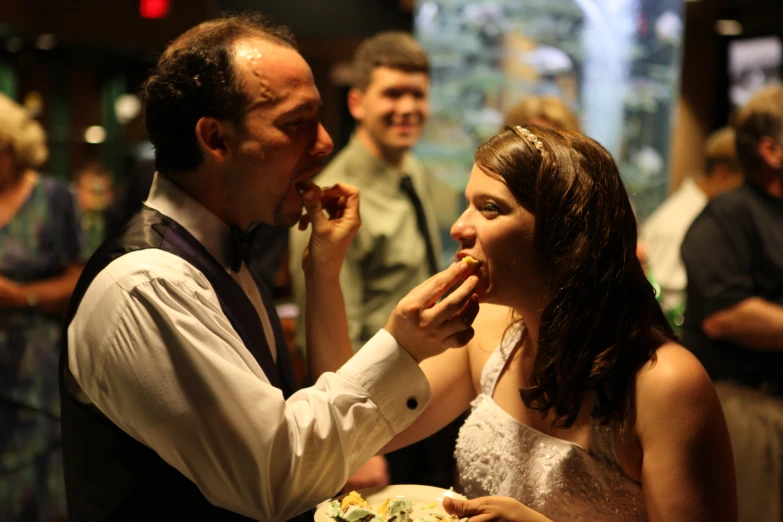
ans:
(14, 44)
(95, 134)
(46, 42)
(728, 27)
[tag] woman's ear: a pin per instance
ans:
(355, 104)
(771, 152)
(214, 136)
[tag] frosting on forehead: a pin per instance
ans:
(251, 54)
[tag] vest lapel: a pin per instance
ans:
(233, 300)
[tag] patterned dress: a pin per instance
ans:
(498, 455)
(37, 243)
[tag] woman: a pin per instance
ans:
(587, 409)
(548, 111)
(38, 271)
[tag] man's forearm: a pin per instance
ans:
(755, 323)
(326, 326)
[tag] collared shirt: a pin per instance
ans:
(663, 233)
(388, 257)
(732, 252)
(152, 349)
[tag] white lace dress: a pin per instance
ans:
(497, 455)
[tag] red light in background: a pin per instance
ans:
(154, 8)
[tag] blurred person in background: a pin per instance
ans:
(665, 229)
(39, 252)
(93, 185)
(733, 256)
(398, 244)
(548, 111)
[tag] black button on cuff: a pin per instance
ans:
(413, 403)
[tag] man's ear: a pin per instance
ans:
(355, 103)
(213, 136)
(771, 152)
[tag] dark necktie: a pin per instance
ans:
(406, 185)
(242, 240)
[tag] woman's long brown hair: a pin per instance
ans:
(593, 333)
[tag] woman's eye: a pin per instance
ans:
(294, 123)
(490, 208)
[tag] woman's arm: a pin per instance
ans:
(48, 295)
(326, 326)
(451, 393)
(451, 377)
(687, 465)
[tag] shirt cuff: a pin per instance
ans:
(392, 379)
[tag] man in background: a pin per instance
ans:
(93, 185)
(665, 229)
(733, 255)
(397, 246)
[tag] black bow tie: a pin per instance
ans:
(241, 242)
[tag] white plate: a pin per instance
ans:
(421, 497)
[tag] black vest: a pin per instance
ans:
(109, 475)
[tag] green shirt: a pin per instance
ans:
(388, 257)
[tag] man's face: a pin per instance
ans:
(93, 192)
(280, 139)
(393, 108)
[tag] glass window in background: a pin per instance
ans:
(616, 63)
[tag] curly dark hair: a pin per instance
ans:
(194, 78)
(593, 333)
(393, 49)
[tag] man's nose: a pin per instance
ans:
(407, 104)
(323, 144)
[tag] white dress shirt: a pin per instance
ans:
(152, 349)
(664, 232)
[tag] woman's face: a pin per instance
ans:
(498, 232)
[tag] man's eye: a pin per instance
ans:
(294, 123)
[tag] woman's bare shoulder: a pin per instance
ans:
(673, 383)
(673, 367)
(490, 325)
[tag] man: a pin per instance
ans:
(178, 399)
(393, 250)
(94, 188)
(398, 245)
(665, 229)
(733, 256)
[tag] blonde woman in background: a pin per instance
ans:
(39, 249)
(547, 111)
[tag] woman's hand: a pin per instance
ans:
(489, 509)
(332, 232)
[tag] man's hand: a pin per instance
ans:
(373, 474)
(492, 509)
(332, 234)
(426, 327)
(12, 295)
